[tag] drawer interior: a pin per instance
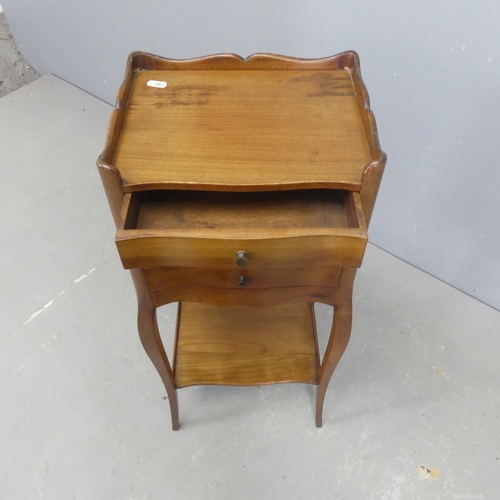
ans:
(188, 210)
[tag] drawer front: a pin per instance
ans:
(301, 251)
(173, 277)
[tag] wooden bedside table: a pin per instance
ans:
(242, 189)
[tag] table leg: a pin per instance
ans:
(339, 338)
(152, 343)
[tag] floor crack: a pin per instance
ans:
(51, 302)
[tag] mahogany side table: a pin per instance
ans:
(242, 189)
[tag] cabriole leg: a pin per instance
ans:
(339, 338)
(151, 341)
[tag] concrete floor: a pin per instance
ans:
(83, 414)
(14, 69)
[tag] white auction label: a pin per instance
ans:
(157, 84)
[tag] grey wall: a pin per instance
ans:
(432, 69)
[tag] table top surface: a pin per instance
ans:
(252, 129)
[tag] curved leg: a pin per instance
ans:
(151, 341)
(339, 338)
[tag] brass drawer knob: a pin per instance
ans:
(241, 258)
(243, 281)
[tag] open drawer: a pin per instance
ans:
(299, 228)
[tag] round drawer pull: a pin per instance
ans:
(243, 281)
(241, 258)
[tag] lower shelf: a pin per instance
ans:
(245, 345)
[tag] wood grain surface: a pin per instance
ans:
(288, 229)
(255, 297)
(241, 130)
(159, 248)
(221, 210)
(245, 345)
(162, 277)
